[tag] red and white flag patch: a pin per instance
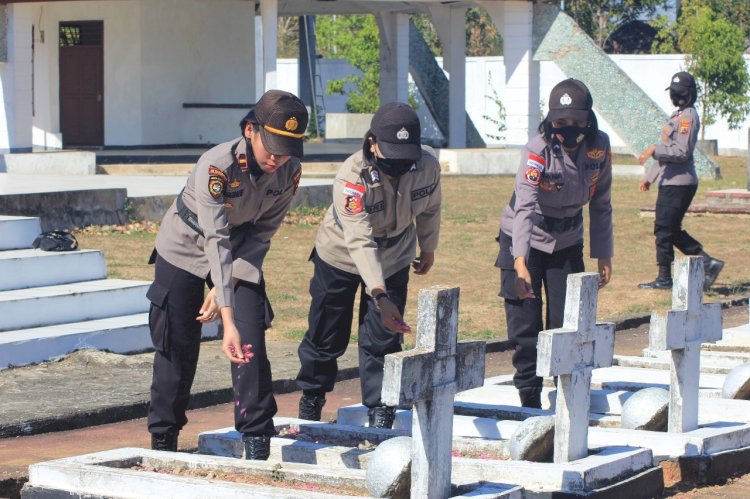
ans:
(537, 162)
(353, 198)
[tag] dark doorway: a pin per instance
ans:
(82, 83)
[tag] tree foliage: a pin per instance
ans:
(736, 12)
(600, 18)
(482, 37)
(713, 48)
(356, 39)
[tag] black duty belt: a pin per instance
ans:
(552, 224)
(382, 242)
(387, 242)
(187, 216)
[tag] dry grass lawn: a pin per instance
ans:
(465, 258)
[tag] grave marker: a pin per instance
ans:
(428, 377)
(571, 353)
(682, 330)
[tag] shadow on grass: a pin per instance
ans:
(737, 289)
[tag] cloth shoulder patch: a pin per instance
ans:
(532, 176)
(353, 195)
(217, 182)
(685, 126)
(536, 161)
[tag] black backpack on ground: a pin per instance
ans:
(56, 240)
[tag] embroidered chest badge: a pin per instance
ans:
(595, 154)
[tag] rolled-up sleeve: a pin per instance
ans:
(600, 213)
(212, 219)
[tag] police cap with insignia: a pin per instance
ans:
(397, 131)
(570, 99)
(682, 82)
(282, 118)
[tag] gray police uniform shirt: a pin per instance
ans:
(237, 213)
(674, 155)
(373, 225)
(549, 183)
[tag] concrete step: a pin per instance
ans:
(122, 334)
(30, 268)
(18, 232)
(75, 302)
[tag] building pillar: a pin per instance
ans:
(514, 20)
(394, 56)
(15, 83)
(269, 13)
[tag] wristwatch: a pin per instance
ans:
(380, 295)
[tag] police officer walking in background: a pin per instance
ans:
(386, 199)
(541, 230)
(217, 232)
(678, 183)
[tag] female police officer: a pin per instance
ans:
(677, 185)
(218, 232)
(369, 238)
(541, 231)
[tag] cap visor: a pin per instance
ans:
(279, 145)
(400, 151)
(574, 114)
(678, 88)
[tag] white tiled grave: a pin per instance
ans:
(131, 473)
(490, 459)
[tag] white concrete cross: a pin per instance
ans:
(572, 352)
(428, 377)
(682, 330)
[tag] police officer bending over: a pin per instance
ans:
(677, 185)
(386, 198)
(541, 231)
(217, 232)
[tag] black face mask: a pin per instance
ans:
(572, 135)
(678, 99)
(394, 167)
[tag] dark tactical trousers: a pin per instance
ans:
(329, 329)
(671, 204)
(176, 297)
(524, 317)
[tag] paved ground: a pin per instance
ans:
(89, 388)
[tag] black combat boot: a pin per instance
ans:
(381, 416)
(531, 397)
(311, 406)
(165, 441)
(257, 447)
(663, 281)
(711, 268)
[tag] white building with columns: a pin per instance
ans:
(150, 73)
(174, 72)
